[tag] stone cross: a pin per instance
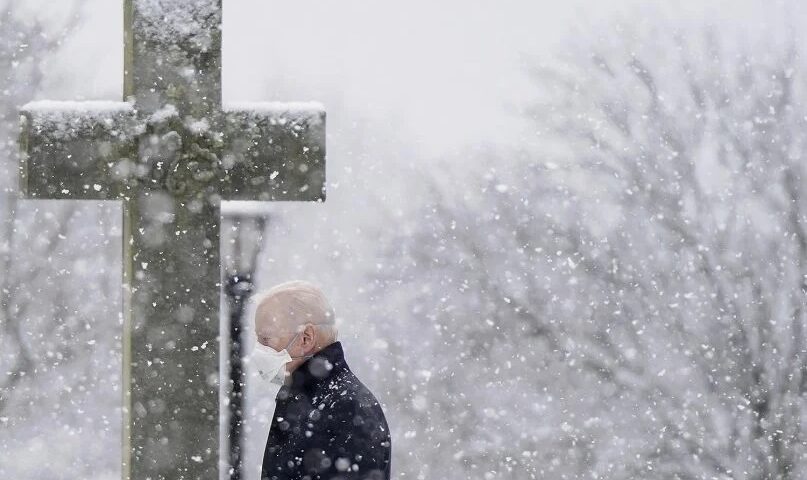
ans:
(171, 152)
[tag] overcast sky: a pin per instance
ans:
(442, 72)
(444, 69)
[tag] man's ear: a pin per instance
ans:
(310, 333)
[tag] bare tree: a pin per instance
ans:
(628, 301)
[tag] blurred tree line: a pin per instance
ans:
(626, 300)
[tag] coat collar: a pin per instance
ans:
(317, 369)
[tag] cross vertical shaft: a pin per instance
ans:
(172, 269)
(172, 72)
(172, 55)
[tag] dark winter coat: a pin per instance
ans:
(327, 425)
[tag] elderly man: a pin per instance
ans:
(326, 424)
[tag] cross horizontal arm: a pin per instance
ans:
(77, 150)
(274, 151)
(259, 151)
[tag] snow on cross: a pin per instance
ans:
(171, 154)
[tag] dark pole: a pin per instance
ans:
(238, 288)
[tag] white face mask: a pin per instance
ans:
(268, 362)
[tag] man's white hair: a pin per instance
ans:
(305, 302)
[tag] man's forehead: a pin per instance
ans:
(270, 315)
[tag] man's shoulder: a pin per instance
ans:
(346, 391)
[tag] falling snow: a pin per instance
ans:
(612, 290)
